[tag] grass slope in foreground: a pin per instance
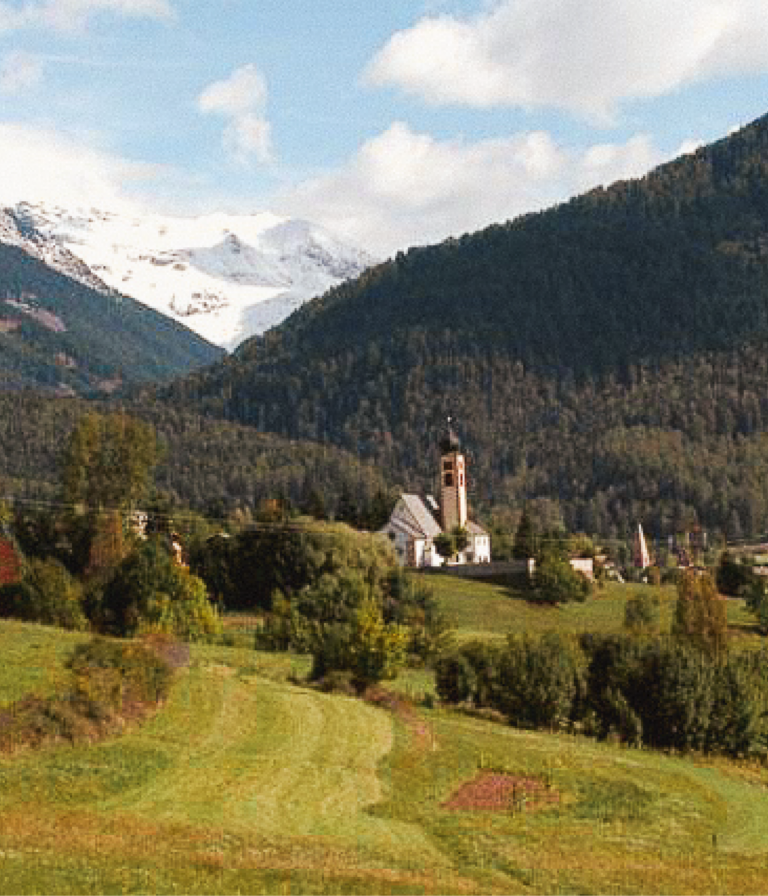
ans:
(245, 783)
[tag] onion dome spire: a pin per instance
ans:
(449, 443)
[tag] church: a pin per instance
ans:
(415, 524)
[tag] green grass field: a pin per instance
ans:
(245, 782)
(32, 658)
(480, 610)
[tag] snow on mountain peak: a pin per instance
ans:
(226, 277)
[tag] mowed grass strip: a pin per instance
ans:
(246, 755)
(242, 783)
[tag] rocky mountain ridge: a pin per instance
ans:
(226, 277)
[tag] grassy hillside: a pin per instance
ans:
(244, 782)
(33, 658)
(476, 609)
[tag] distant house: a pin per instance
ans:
(584, 565)
(415, 524)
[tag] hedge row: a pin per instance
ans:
(661, 693)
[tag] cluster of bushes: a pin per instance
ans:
(327, 590)
(47, 593)
(738, 579)
(84, 566)
(661, 692)
(109, 681)
(143, 591)
(733, 578)
(351, 624)
(360, 652)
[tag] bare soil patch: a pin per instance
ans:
(497, 792)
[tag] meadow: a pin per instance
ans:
(245, 781)
(477, 609)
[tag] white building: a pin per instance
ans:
(415, 524)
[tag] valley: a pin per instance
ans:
(383, 447)
(246, 781)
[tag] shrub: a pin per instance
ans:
(732, 578)
(542, 681)
(150, 593)
(756, 597)
(614, 684)
(369, 648)
(455, 678)
(107, 679)
(113, 672)
(35, 721)
(258, 562)
(470, 674)
(285, 628)
(641, 613)
(338, 682)
(47, 594)
(556, 582)
(700, 614)
(678, 686)
(331, 651)
(739, 719)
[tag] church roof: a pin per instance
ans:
(475, 529)
(420, 516)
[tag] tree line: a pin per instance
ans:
(683, 692)
(107, 558)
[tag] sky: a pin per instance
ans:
(393, 124)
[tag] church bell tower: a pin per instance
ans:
(453, 482)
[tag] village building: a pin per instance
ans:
(415, 524)
(641, 557)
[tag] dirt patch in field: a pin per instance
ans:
(497, 792)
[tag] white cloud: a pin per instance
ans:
(403, 188)
(71, 15)
(241, 98)
(244, 91)
(586, 56)
(19, 72)
(41, 165)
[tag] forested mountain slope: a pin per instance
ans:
(608, 353)
(59, 334)
(209, 465)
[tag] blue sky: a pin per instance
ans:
(394, 124)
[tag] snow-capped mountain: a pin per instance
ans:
(227, 277)
(16, 230)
